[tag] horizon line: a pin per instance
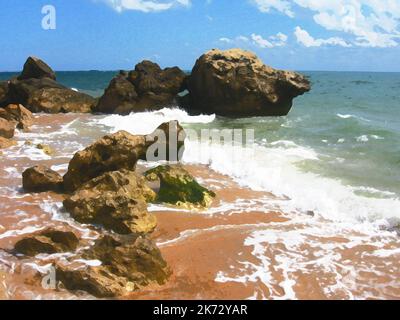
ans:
(298, 70)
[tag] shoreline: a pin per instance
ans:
(234, 251)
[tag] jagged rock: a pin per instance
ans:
(114, 152)
(6, 143)
(55, 100)
(38, 91)
(179, 188)
(37, 69)
(236, 83)
(148, 87)
(7, 128)
(120, 97)
(48, 241)
(126, 266)
(41, 179)
(116, 200)
(18, 114)
(46, 95)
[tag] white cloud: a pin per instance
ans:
(237, 40)
(261, 42)
(370, 23)
(283, 6)
(307, 40)
(145, 5)
(277, 40)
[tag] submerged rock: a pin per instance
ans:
(148, 87)
(45, 148)
(116, 200)
(179, 188)
(125, 266)
(49, 241)
(19, 114)
(7, 128)
(37, 69)
(236, 83)
(41, 179)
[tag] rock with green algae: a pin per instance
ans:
(179, 188)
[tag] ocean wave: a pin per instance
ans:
(272, 168)
(146, 122)
(350, 116)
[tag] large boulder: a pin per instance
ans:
(179, 188)
(37, 69)
(7, 128)
(36, 88)
(41, 179)
(46, 95)
(122, 150)
(48, 241)
(148, 87)
(113, 152)
(115, 200)
(236, 83)
(19, 114)
(123, 266)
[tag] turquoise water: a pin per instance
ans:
(350, 120)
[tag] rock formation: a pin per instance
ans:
(113, 152)
(121, 150)
(48, 241)
(124, 266)
(148, 87)
(41, 179)
(236, 83)
(7, 128)
(37, 89)
(17, 113)
(35, 68)
(6, 143)
(179, 188)
(115, 200)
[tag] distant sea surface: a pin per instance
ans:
(338, 149)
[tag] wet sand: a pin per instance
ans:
(244, 247)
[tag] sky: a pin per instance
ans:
(330, 35)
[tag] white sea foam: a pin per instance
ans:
(146, 122)
(271, 168)
(350, 116)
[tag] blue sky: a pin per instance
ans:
(354, 35)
